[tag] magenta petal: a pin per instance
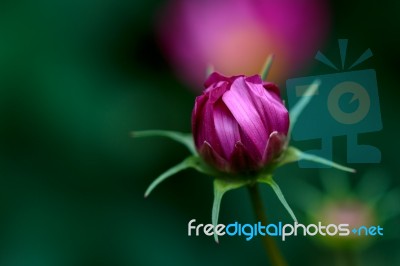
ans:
(275, 145)
(270, 107)
(197, 120)
(212, 157)
(215, 93)
(203, 123)
(226, 128)
(242, 108)
(215, 78)
(273, 89)
(241, 160)
(198, 105)
(256, 79)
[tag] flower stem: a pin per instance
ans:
(270, 246)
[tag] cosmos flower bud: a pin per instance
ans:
(239, 123)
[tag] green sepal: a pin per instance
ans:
(209, 70)
(184, 138)
(187, 163)
(295, 112)
(221, 186)
(266, 67)
(267, 179)
(194, 162)
(292, 154)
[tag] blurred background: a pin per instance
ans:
(76, 77)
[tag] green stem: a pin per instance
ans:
(270, 246)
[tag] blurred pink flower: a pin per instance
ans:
(236, 36)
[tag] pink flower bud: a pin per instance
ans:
(239, 123)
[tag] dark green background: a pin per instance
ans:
(77, 76)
